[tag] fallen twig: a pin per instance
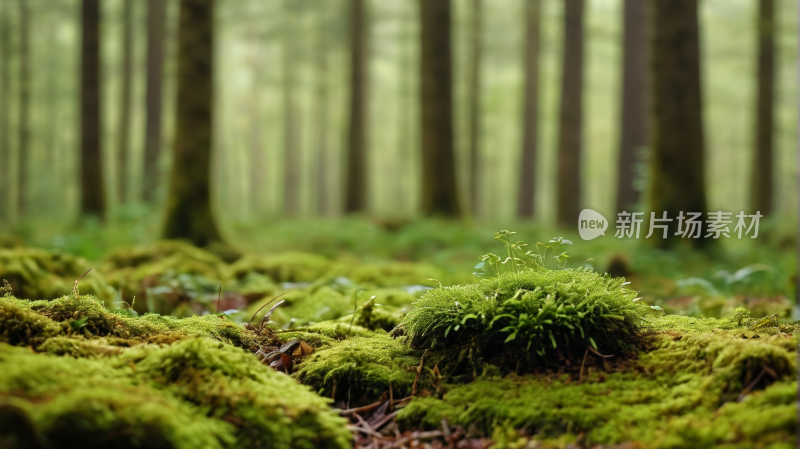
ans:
(583, 363)
(752, 384)
(249, 323)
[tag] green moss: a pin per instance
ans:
(682, 392)
(39, 274)
(361, 368)
(284, 267)
(26, 322)
(537, 311)
(194, 393)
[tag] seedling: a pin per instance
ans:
(518, 259)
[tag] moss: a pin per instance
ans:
(682, 392)
(231, 385)
(72, 401)
(535, 312)
(32, 322)
(284, 267)
(361, 368)
(39, 274)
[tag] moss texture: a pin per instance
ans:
(515, 317)
(148, 381)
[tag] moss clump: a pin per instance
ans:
(361, 368)
(39, 274)
(683, 393)
(537, 311)
(31, 323)
(194, 393)
(284, 267)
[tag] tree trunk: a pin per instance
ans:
(125, 101)
(634, 113)
(93, 199)
(24, 100)
(291, 146)
(527, 174)
(5, 128)
(474, 98)
(356, 193)
(677, 181)
(322, 105)
(156, 13)
(762, 176)
(188, 214)
(439, 192)
(256, 125)
(571, 118)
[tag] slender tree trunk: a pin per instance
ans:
(405, 114)
(5, 128)
(530, 130)
(24, 103)
(156, 13)
(256, 124)
(570, 132)
(322, 105)
(677, 182)
(291, 147)
(93, 199)
(188, 214)
(125, 101)
(635, 92)
(439, 191)
(356, 193)
(474, 98)
(762, 175)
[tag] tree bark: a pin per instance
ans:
(24, 104)
(762, 175)
(291, 145)
(677, 181)
(323, 100)
(530, 133)
(571, 116)
(634, 113)
(125, 101)
(93, 200)
(474, 98)
(188, 214)
(439, 192)
(5, 128)
(256, 124)
(356, 192)
(156, 13)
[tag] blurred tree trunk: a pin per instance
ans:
(439, 192)
(356, 192)
(677, 181)
(291, 145)
(256, 124)
(571, 117)
(188, 214)
(156, 13)
(474, 99)
(530, 134)
(322, 105)
(5, 128)
(762, 175)
(405, 117)
(633, 123)
(23, 155)
(125, 101)
(93, 199)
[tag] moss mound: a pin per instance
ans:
(692, 389)
(195, 393)
(39, 274)
(516, 317)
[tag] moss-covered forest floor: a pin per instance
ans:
(386, 339)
